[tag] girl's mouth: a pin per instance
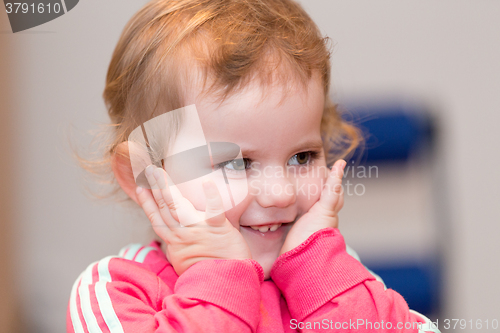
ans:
(265, 228)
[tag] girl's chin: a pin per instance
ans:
(265, 247)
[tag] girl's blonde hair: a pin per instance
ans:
(226, 44)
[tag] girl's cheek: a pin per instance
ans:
(309, 191)
(193, 191)
(233, 217)
(234, 214)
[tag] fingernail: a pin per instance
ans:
(139, 190)
(149, 170)
(157, 173)
(206, 183)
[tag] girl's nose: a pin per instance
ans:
(273, 191)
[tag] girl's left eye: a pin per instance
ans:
(303, 158)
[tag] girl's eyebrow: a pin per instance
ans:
(313, 144)
(309, 144)
(223, 151)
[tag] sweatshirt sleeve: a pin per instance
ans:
(326, 288)
(119, 295)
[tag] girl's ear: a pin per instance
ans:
(122, 169)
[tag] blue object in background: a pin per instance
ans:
(417, 283)
(392, 133)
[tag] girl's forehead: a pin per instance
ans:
(203, 88)
(263, 118)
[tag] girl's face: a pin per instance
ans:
(283, 157)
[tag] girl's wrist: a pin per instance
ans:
(289, 254)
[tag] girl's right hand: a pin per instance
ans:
(323, 214)
(213, 238)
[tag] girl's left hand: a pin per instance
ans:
(323, 214)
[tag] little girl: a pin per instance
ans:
(256, 75)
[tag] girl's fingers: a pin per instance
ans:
(171, 200)
(332, 195)
(340, 202)
(162, 195)
(157, 187)
(214, 212)
(150, 207)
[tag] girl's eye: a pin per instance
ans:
(303, 158)
(236, 165)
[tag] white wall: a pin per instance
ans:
(446, 53)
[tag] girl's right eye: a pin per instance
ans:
(237, 165)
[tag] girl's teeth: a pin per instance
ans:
(275, 227)
(266, 228)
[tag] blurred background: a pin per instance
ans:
(421, 78)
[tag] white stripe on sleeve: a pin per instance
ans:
(73, 308)
(103, 298)
(133, 248)
(143, 253)
(85, 304)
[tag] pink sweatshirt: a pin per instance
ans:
(316, 287)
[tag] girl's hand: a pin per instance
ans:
(323, 214)
(212, 238)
